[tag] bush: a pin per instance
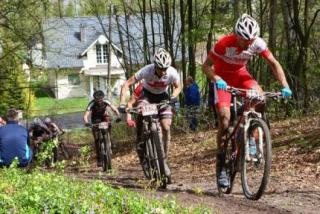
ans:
(14, 90)
(49, 193)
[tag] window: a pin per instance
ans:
(74, 79)
(102, 55)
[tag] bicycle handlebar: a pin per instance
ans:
(137, 110)
(253, 94)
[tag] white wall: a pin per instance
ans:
(91, 60)
(67, 91)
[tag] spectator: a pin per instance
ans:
(192, 100)
(39, 131)
(2, 122)
(53, 127)
(14, 141)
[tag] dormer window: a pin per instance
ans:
(102, 54)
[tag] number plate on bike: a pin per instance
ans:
(103, 125)
(149, 110)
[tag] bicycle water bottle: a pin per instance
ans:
(252, 146)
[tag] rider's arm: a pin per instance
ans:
(125, 88)
(114, 109)
(277, 70)
(49, 132)
(176, 89)
(208, 70)
(56, 127)
(130, 104)
(86, 116)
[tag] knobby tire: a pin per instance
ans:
(160, 158)
(106, 152)
(255, 195)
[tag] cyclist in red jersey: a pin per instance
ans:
(132, 101)
(226, 64)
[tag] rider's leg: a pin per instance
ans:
(95, 133)
(166, 134)
(223, 118)
(166, 139)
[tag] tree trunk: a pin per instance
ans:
(192, 64)
(146, 53)
(152, 27)
(183, 44)
(272, 36)
(236, 10)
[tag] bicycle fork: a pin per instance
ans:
(247, 122)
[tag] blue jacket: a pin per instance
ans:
(14, 143)
(192, 95)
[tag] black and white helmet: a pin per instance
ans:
(162, 58)
(98, 94)
(247, 27)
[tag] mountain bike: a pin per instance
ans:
(104, 144)
(247, 144)
(153, 148)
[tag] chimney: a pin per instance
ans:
(82, 33)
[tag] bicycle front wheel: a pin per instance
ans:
(158, 145)
(256, 161)
(148, 164)
(106, 152)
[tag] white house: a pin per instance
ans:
(74, 51)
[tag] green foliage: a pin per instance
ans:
(46, 151)
(14, 90)
(84, 155)
(120, 131)
(35, 192)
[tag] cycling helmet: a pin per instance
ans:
(162, 58)
(37, 121)
(247, 27)
(98, 94)
(47, 120)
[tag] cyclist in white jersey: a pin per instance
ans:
(157, 79)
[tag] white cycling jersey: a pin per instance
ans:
(153, 83)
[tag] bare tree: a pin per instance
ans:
(192, 63)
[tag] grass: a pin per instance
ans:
(50, 106)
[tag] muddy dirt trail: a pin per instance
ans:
(294, 185)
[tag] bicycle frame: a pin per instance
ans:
(246, 122)
(242, 121)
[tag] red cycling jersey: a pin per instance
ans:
(230, 62)
(138, 91)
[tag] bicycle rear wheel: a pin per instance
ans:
(255, 172)
(106, 152)
(228, 165)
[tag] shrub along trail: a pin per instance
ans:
(294, 185)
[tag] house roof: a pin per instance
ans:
(63, 46)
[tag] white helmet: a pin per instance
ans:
(247, 27)
(37, 121)
(47, 120)
(162, 58)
